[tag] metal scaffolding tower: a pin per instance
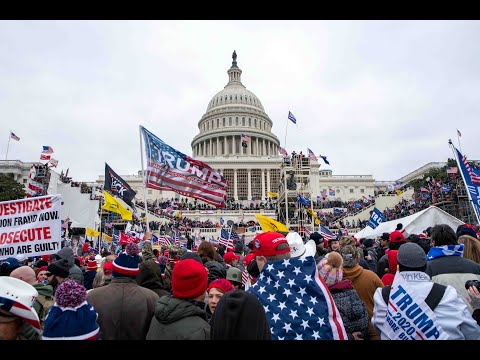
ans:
(295, 181)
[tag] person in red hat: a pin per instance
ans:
(231, 259)
(396, 240)
(216, 290)
(182, 315)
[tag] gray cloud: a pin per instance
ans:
(376, 97)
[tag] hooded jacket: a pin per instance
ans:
(215, 270)
(451, 313)
(178, 319)
(75, 273)
(150, 277)
(351, 308)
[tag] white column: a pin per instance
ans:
(263, 184)
(257, 147)
(235, 194)
(211, 147)
(264, 147)
(249, 194)
(218, 147)
(268, 180)
(225, 147)
(234, 147)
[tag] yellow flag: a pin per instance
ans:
(92, 232)
(106, 238)
(399, 192)
(272, 194)
(269, 224)
(111, 204)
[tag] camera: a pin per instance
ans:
(475, 283)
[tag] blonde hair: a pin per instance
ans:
(471, 248)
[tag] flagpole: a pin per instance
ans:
(143, 180)
(101, 214)
(9, 137)
(464, 181)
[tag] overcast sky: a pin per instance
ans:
(378, 98)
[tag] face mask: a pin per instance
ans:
(252, 269)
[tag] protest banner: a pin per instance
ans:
(30, 227)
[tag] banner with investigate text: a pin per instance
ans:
(30, 227)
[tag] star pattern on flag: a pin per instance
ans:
(297, 303)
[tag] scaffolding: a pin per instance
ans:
(295, 180)
(457, 203)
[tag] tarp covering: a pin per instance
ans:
(413, 224)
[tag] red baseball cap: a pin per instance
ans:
(230, 256)
(265, 244)
(396, 236)
(248, 258)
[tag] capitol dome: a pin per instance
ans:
(232, 113)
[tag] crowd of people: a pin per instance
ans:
(278, 286)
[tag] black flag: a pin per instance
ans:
(115, 185)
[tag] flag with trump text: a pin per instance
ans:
(376, 218)
(115, 185)
(297, 302)
(169, 169)
(471, 178)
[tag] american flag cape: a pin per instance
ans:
(169, 169)
(297, 302)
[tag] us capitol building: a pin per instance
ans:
(254, 169)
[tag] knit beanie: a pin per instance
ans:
(126, 263)
(330, 268)
(221, 284)
(465, 230)
(92, 264)
(59, 268)
(71, 317)
(189, 279)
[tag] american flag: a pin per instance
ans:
(244, 276)
(34, 188)
(44, 157)
(164, 240)
(292, 118)
(225, 239)
(154, 240)
(246, 138)
(14, 137)
(297, 301)
(474, 175)
(283, 152)
(47, 150)
(308, 232)
(311, 155)
(452, 170)
(327, 234)
(169, 169)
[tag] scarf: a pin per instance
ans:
(446, 250)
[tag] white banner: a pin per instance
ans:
(409, 317)
(30, 227)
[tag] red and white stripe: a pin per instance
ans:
(26, 313)
(164, 178)
(227, 243)
(125, 270)
(245, 276)
(474, 177)
(164, 240)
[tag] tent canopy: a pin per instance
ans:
(413, 224)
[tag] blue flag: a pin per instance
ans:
(302, 200)
(446, 189)
(325, 159)
(376, 218)
(292, 118)
(471, 178)
(116, 236)
(357, 206)
(297, 302)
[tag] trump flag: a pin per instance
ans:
(169, 169)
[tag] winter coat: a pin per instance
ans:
(178, 319)
(44, 301)
(124, 309)
(382, 264)
(88, 277)
(451, 313)
(215, 270)
(365, 282)
(352, 310)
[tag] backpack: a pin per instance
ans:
(45, 304)
(432, 300)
